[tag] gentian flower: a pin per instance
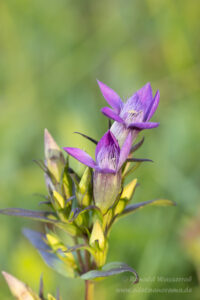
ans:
(107, 168)
(133, 115)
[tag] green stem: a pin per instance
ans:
(89, 290)
(87, 260)
(81, 264)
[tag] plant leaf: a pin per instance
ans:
(87, 137)
(137, 146)
(38, 241)
(139, 159)
(41, 288)
(110, 269)
(78, 211)
(127, 171)
(160, 202)
(44, 216)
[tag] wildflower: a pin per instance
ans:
(107, 174)
(133, 115)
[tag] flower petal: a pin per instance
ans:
(154, 105)
(111, 114)
(125, 150)
(111, 96)
(143, 125)
(107, 152)
(145, 94)
(82, 156)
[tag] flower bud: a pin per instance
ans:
(126, 196)
(50, 297)
(107, 175)
(97, 235)
(55, 243)
(129, 189)
(83, 192)
(106, 189)
(59, 199)
(55, 160)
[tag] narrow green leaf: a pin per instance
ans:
(137, 146)
(160, 202)
(79, 247)
(132, 159)
(43, 216)
(110, 269)
(87, 137)
(127, 171)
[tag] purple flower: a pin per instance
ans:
(133, 115)
(107, 174)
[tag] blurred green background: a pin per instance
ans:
(51, 53)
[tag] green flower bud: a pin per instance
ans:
(106, 189)
(97, 235)
(55, 160)
(83, 193)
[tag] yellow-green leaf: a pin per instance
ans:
(160, 202)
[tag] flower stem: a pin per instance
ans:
(89, 290)
(81, 264)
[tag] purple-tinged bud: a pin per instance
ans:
(99, 244)
(54, 158)
(107, 187)
(107, 174)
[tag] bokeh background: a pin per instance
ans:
(51, 53)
